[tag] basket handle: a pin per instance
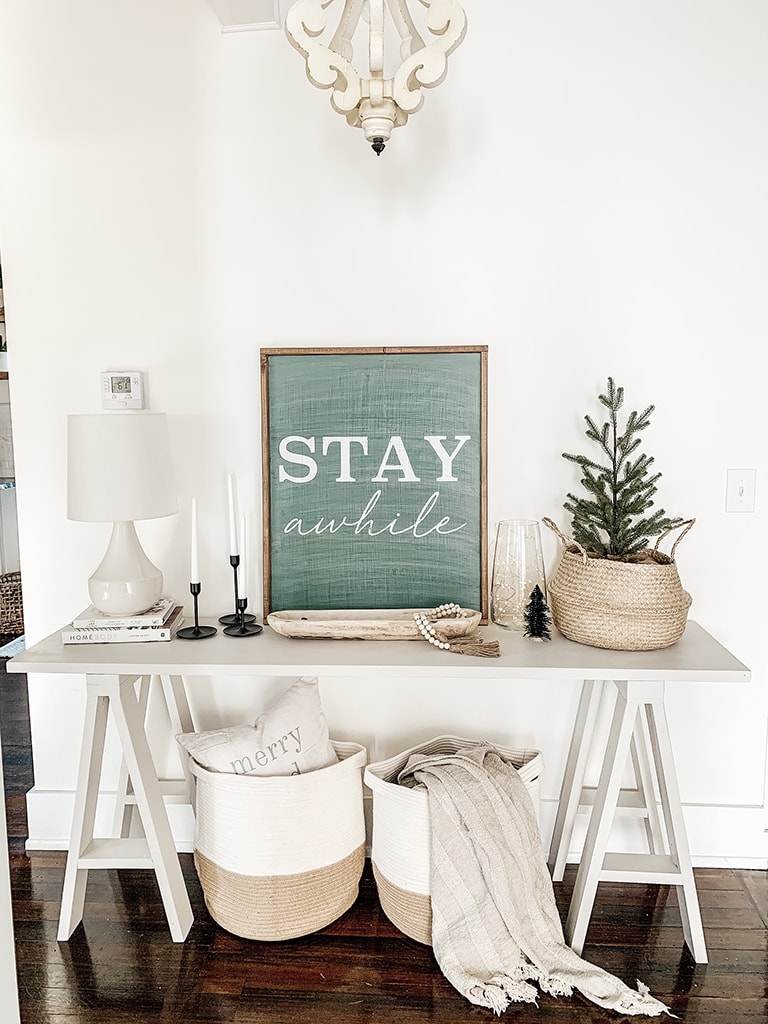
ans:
(568, 542)
(687, 523)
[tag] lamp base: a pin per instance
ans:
(126, 582)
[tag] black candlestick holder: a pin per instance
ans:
(234, 618)
(243, 627)
(196, 632)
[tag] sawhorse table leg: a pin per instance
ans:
(573, 779)
(638, 730)
(574, 794)
(178, 792)
(156, 850)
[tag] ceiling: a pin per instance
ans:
(249, 15)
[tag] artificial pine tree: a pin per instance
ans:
(611, 521)
(537, 617)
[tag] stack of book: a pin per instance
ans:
(161, 622)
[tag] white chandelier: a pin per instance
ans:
(376, 104)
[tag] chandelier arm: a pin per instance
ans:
(428, 67)
(411, 38)
(376, 51)
(342, 37)
(325, 69)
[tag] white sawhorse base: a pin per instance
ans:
(127, 823)
(156, 850)
(638, 730)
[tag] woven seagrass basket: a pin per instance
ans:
(622, 606)
(401, 840)
(11, 607)
(281, 856)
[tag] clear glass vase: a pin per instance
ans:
(518, 566)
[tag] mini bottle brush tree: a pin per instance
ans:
(615, 519)
(537, 617)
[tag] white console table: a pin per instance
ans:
(638, 732)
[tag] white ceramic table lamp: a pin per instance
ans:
(119, 470)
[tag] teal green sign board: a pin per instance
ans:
(374, 478)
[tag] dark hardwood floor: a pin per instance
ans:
(121, 966)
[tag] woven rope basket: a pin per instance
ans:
(622, 606)
(401, 841)
(281, 856)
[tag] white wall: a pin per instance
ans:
(585, 194)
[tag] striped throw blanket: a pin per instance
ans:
(496, 932)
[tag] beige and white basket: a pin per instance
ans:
(281, 856)
(401, 842)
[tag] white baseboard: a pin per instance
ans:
(718, 836)
(49, 819)
(723, 837)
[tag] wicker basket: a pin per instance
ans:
(11, 608)
(401, 843)
(622, 606)
(281, 856)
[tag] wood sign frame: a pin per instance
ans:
(374, 477)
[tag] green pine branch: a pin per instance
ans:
(611, 520)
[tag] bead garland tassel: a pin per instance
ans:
(471, 645)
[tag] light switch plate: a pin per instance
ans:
(740, 490)
(122, 389)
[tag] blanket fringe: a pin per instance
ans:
(500, 991)
(503, 989)
(555, 986)
(642, 1002)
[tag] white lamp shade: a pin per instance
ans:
(119, 467)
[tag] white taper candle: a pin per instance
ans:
(194, 572)
(232, 515)
(242, 589)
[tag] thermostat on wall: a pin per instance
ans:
(122, 389)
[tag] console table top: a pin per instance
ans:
(696, 657)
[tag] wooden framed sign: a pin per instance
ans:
(374, 478)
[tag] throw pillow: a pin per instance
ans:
(289, 738)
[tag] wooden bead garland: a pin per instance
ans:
(471, 645)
